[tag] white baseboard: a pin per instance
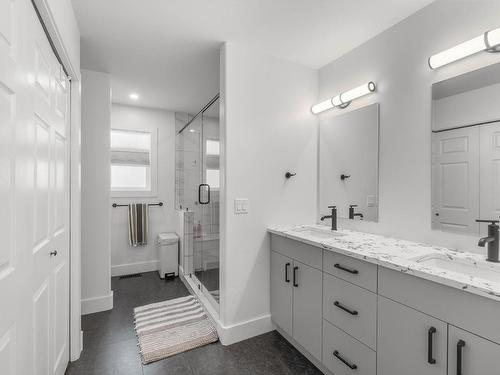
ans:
(241, 331)
(131, 268)
(233, 333)
(97, 304)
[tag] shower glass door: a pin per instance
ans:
(208, 274)
(197, 185)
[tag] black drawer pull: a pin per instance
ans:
(352, 312)
(460, 345)
(352, 366)
(287, 280)
(350, 270)
(430, 334)
(295, 283)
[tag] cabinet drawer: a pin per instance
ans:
(350, 269)
(307, 254)
(339, 347)
(351, 308)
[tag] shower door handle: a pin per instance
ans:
(199, 194)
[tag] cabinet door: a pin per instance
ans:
(307, 307)
(469, 354)
(281, 291)
(409, 342)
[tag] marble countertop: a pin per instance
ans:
(472, 273)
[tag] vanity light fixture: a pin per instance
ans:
(344, 99)
(489, 42)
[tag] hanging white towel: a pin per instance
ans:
(138, 224)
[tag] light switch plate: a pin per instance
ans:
(241, 206)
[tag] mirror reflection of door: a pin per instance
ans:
(456, 179)
(466, 151)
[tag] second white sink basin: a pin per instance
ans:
(483, 270)
(317, 233)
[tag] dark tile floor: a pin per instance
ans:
(110, 346)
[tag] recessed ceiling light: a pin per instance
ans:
(133, 96)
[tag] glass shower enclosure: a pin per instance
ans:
(197, 193)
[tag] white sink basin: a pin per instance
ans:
(483, 270)
(317, 233)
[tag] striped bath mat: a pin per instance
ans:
(167, 328)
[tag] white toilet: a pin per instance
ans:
(168, 252)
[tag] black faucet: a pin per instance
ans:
(491, 240)
(352, 215)
(333, 216)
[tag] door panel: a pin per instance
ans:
(307, 308)
(8, 352)
(402, 342)
(34, 183)
(490, 173)
(281, 291)
(41, 325)
(456, 180)
(479, 356)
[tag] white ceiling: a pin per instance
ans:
(167, 50)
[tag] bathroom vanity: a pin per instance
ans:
(357, 303)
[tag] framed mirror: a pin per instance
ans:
(348, 164)
(466, 151)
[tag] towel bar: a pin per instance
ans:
(149, 204)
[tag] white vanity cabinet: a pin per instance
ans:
(356, 317)
(281, 291)
(471, 354)
(296, 292)
(409, 342)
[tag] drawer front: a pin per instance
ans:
(350, 269)
(341, 353)
(351, 308)
(307, 254)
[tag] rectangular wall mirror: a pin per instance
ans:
(348, 163)
(466, 151)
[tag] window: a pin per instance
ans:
(213, 178)
(213, 172)
(213, 147)
(132, 162)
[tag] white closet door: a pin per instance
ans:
(34, 183)
(456, 180)
(490, 173)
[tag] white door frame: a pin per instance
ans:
(49, 22)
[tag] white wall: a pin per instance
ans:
(96, 244)
(470, 107)
(126, 259)
(397, 61)
(269, 130)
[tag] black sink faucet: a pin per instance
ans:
(491, 240)
(352, 214)
(333, 216)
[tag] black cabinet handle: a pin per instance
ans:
(350, 270)
(295, 283)
(460, 345)
(287, 280)
(352, 366)
(430, 334)
(352, 312)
